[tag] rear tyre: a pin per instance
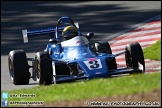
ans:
(104, 47)
(134, 56)
(18, 67)
(43, 68)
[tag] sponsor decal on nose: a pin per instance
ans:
(91, 59)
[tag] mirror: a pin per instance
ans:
(89, 35)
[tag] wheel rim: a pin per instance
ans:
(128, 59)
(38, 70)
(11, 70)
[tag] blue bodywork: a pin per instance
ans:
(75, 51)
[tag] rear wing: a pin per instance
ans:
(32, 33)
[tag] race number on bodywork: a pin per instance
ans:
(93, 64)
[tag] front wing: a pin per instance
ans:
(59, 79)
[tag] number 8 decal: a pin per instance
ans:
(94, 64)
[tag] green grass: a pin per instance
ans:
(92, 88)
(153, 52)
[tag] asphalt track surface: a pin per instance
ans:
(104, 18)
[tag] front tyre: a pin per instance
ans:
(18, 67)
(43, 68)
(134, 56)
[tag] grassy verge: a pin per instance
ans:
(92, 88)
(154, 51)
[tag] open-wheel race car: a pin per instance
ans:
(71, 57)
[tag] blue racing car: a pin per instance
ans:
(70, 56)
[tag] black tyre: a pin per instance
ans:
(104, 47)
(18, 67)
(134, 55)
(43, 68)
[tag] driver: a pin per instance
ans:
(69, 32)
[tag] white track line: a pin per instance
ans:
(133, 27)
